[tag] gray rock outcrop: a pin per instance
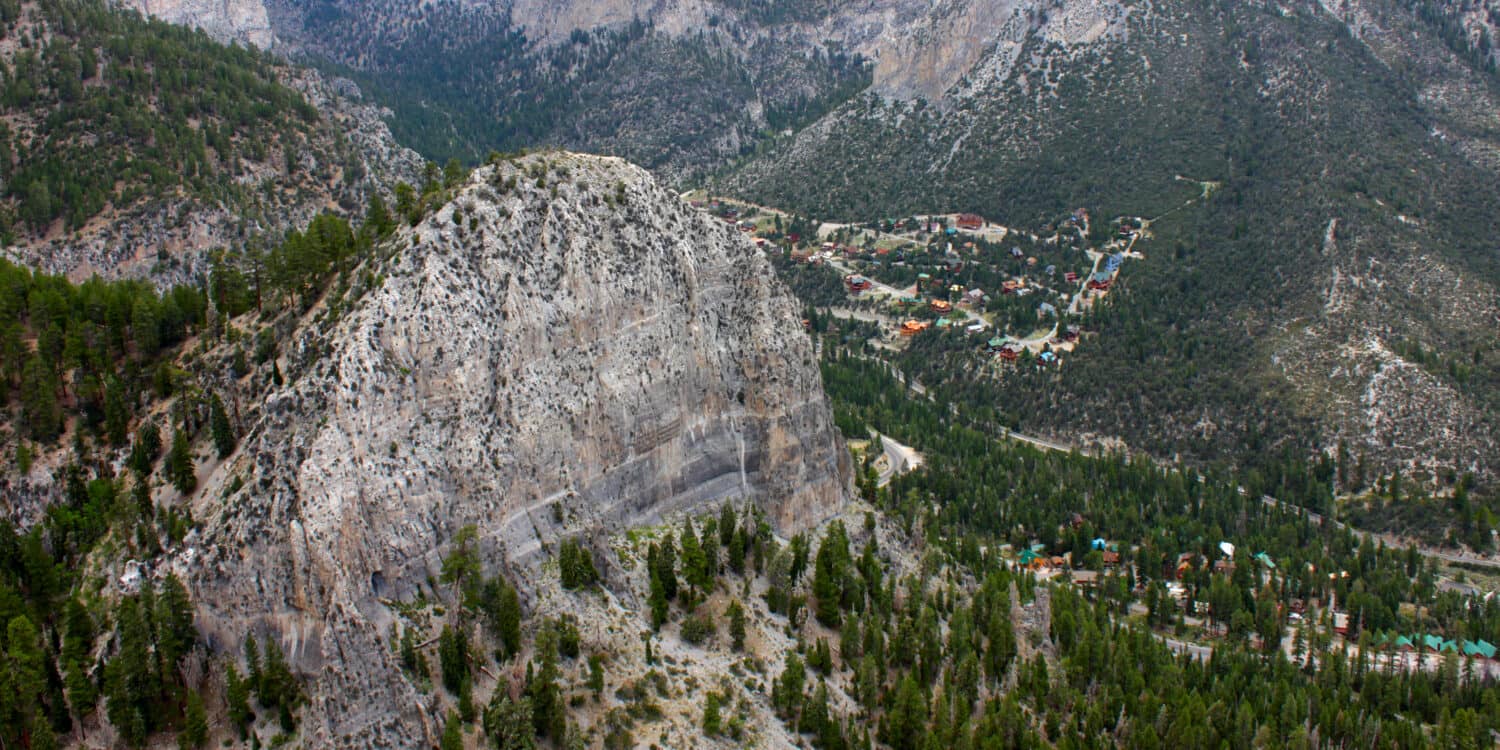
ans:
(564, 348)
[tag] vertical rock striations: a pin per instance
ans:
(564, 347)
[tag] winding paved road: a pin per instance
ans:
(899, 460)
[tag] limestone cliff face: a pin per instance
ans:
(564, 349)
(243, 21)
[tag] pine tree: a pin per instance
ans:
(549, 712)
(42, 736)
(116, 412)
(77, 639)
(815, 718)
(596, 674)
(906, 723)
(453, 733)
(736, 615)
(799, 554)
(453, 658)
(786, 693)
(576, 565)
(466, 700)
(658, 601)
(728, 525)
(26, 665)
(146, 449)
(252, 662)
(39, 408)
(180, 469)
(737, 551)
(278, 686)
(377, 217)
(174, 620)
(508, 723)
(195, 723)
(129, 677)
(830, 568)
(237, 698)
(709, 542)
(666, 568)
(509, 619)
(409, 656)
(223, 431)
(694, 564)
(711, 718)
(461, 568)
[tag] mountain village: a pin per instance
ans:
(1021, 295)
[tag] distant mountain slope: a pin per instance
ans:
(127, 141)
(678, 86)
(1339, 288)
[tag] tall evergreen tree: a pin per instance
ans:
(180, 468)
(39, 407)
(736, 615)
(195, 723)
(219, 425)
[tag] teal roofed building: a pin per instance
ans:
(1481, 648)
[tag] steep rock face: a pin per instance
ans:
(563, 349)
(243, 21)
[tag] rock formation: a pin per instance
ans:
(243, 21)
(563, 349)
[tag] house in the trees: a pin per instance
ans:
(1341, 624)
(970, 221)
(1185, 562)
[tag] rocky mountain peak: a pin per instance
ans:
(563, 349)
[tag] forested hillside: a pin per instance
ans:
(1277, 310)
(108, 117)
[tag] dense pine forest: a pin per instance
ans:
(107, 109)
(1112, 681)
